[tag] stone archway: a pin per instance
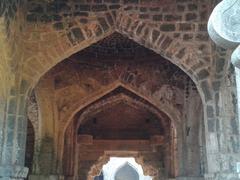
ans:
(160, 42)
(37, 59)
(182, 55)
(163, 99)
(145, 33)
(70, 160)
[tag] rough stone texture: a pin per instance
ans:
(36, 35)
(137, 21)
(103, 76)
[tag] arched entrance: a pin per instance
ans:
(91, 82)
(50, 31)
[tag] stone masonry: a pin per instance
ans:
(74, 53)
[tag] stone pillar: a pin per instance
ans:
(45, 161)
(224, 29)
(14, 135)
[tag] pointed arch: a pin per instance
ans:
(103, 101)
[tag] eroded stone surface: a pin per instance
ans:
(36, 35)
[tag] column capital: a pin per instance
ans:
(224, 24)
(13, 172)
(224, 27)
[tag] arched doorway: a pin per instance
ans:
(90, 82)
(47, 40)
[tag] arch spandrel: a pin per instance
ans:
(185, 55)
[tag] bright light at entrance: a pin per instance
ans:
(122, 169)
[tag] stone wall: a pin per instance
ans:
(150, 24)
(36, 35)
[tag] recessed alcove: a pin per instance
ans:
(117, 96)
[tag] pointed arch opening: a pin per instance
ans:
(119, 68)
(119, 121)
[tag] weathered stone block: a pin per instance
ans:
(181, 53)
(191, 17)
(203, 74)
(187, 37)
(12, 105)
(171, 17)
(192, 7)
(167, 27)
(166, 43)
(82, 7)
(97, 8)
(155, 35)
(210, 112)
(206, 90)
(75, 35)
(130, 1)
(220, 64)
(157, 17)
(103, 23)
(186, 27)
